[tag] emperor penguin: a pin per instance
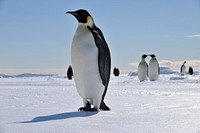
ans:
(69, 73)
(183, 69)
(91, 62)
(153, 69)
(116, 71)
(190, 70)
(143, 69)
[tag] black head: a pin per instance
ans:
(184, 62)
(144, 56)
(81, 15)
(153, 56)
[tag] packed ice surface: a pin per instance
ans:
(31, 103)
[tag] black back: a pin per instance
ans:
(116, 71)
(190, 71)
(69, 73)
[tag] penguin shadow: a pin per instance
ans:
(60, 116)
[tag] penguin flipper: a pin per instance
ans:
(181, 69)
(104, 60)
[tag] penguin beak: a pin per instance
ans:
(72, 13)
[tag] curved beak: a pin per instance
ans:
(73, 13)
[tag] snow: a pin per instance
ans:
(48, 103)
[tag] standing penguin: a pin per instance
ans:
(116, 71)
(143, 69)
(190, 71)
(153, 69)
(183, 69)
(91, 62)
(69, 73)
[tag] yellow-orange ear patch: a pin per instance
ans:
(89, 19)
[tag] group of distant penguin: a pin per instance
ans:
(150, 71)
(183, 69)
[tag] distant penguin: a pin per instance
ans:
(116, 71)
(143, 69)
(153, 69)
(91, 62)
(69, 73)
(183, 69)
(190, 71)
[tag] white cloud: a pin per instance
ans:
(194, 36)
(175, 65)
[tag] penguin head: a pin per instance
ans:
(82, 16)
(153, 56)
(144, 56)
(184, 62)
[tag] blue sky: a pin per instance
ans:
(37, 34)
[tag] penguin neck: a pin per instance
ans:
(153, 60)
(90, 23)
(82, 34)
(82, 27)
(142, 60)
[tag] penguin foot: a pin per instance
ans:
(104, 107)
(83, 109)
(93, 109)
(87, 109)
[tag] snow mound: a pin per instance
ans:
(178, 78)
(134, 73)
(166, 70)
(29, 75)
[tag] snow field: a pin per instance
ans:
(43, 104)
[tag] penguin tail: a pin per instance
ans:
(104, 107)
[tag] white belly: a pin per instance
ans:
(84, 57)
(153, 70)
(142, 71)
(183, 70)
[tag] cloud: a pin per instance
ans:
(175, 65)
(194, 36)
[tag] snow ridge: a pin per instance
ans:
(27, 75)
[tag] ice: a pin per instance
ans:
(37, 103)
